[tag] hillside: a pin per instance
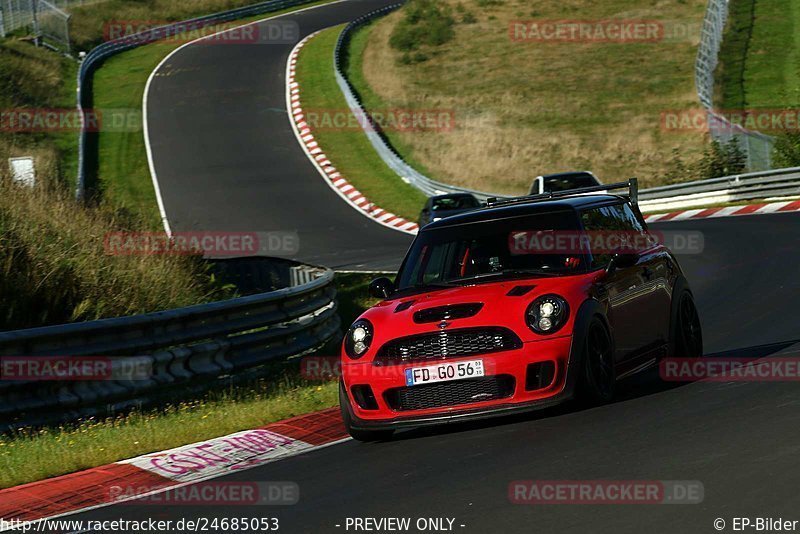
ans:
(525, 104)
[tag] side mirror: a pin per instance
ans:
(381, 288)
(622, 260)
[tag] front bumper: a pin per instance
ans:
(383, 380)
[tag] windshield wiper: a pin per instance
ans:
(438, 285)
(416, 288)
(505, 272)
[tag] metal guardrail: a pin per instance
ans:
(188, 349)
(777, 183)
(378, 140)
(116, 46)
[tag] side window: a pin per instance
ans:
(602, 223)
(630, 217)
(433, 267)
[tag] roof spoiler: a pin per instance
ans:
(631, 185)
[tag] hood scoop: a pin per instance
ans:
(519, 291)
(445, 313)
(404, 306)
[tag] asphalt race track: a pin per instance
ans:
(227, 159)
(212, 107)
(741, 440)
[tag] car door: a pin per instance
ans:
(625, 287)
(656, 274)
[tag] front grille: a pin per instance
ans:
(447, 344)
(450, 393)
(446, 313)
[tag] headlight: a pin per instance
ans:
(358, 339)
(547, 314)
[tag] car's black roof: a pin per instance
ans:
(569, 173)
(453, 195)
(507, 211)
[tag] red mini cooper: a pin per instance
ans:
(519, 305)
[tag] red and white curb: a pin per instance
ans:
(730, 211)
(323, 164)
(167, 470)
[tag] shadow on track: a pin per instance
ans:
(648, 382)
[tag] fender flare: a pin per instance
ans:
(588, 310)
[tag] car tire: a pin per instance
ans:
(597, 380)
(687, 334)
(359, 434)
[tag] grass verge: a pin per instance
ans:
(524, 108)
(348, 146)
(36, 78)
(760, 56)
(354, 70)
(30, 456)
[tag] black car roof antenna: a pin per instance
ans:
(631, 185)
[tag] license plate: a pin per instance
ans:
(444, 372)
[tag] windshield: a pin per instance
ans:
(488, 251)
(455, 203)
(564, 183)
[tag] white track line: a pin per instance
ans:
(148, 148)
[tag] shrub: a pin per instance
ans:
(677, 170)
(469, 18)
(54, 267)
(719, 159)
(425, 24)
(722, 159)
(786, 152)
